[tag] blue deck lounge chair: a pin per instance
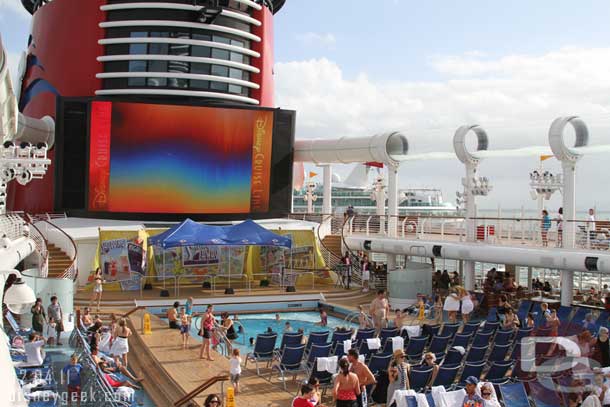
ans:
(446, 376)
(317, 338)
(379, 363)
(290, 361)
(514, 395)
(263, 350)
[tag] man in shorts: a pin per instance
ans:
(380, 309)
(365, 376)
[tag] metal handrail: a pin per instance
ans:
(349, 318)
(41, 247)
(204, 386)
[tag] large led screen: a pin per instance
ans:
(181, 159)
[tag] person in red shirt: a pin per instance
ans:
(307, 393)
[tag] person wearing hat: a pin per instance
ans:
(398, 374)
(472, 399)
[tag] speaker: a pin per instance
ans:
(436, 250)
(591, 263)
(291, 289)
(206, 285)
(71, 155)
(147, 286)
(229, 291)
(164, 293)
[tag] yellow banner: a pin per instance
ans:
(312, 174)
(545, 157)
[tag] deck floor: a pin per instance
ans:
(188, 371)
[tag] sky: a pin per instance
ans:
(356, 68)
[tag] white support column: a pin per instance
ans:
(568, 158)
(530, 276)
(392, 210)
(328, 185)
(471, 209)
(569, 228)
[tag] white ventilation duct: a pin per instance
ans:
(388, 148)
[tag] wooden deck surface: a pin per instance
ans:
(187, 371)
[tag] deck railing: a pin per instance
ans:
(493, 230)
(201, 388)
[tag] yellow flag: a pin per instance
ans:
(312, 174)
(545, 157)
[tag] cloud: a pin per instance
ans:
(12, 7)
(326, 40)
(514, 97)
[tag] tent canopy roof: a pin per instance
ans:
(191, 233)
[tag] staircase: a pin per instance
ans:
(59, 261)
(333, 244)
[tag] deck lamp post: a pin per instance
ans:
(310, 196)
(473, 186)
(379, 196)
(568, 158)
(544, 184)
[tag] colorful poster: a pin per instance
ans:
(168, 263)
(200, 256)
(120, 257)
(197, 262)
(133, 284)
(135, 253)
(114, 260)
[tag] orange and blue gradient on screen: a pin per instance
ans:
(179, 159)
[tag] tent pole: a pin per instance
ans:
(164, 268)
(229, 258)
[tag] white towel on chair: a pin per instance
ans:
(412, 330)
(400, 397)
(451, 398)
(328, 364)
(347, 345)
(373, 343)
(361, 358)
(460, 349)
(435, 391)
(398, 342)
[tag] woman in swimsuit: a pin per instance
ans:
(120, 345)
(206, 331)
(97, 288)
(184, 327)
(347, 386)
(227, 324)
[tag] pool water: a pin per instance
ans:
(255, 324)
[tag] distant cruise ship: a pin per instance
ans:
(358, 191)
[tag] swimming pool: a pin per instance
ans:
(255, 324)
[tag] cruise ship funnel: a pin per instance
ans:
(14, 126)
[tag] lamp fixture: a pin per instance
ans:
(19, 298)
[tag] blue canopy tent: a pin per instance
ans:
(191, 233)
